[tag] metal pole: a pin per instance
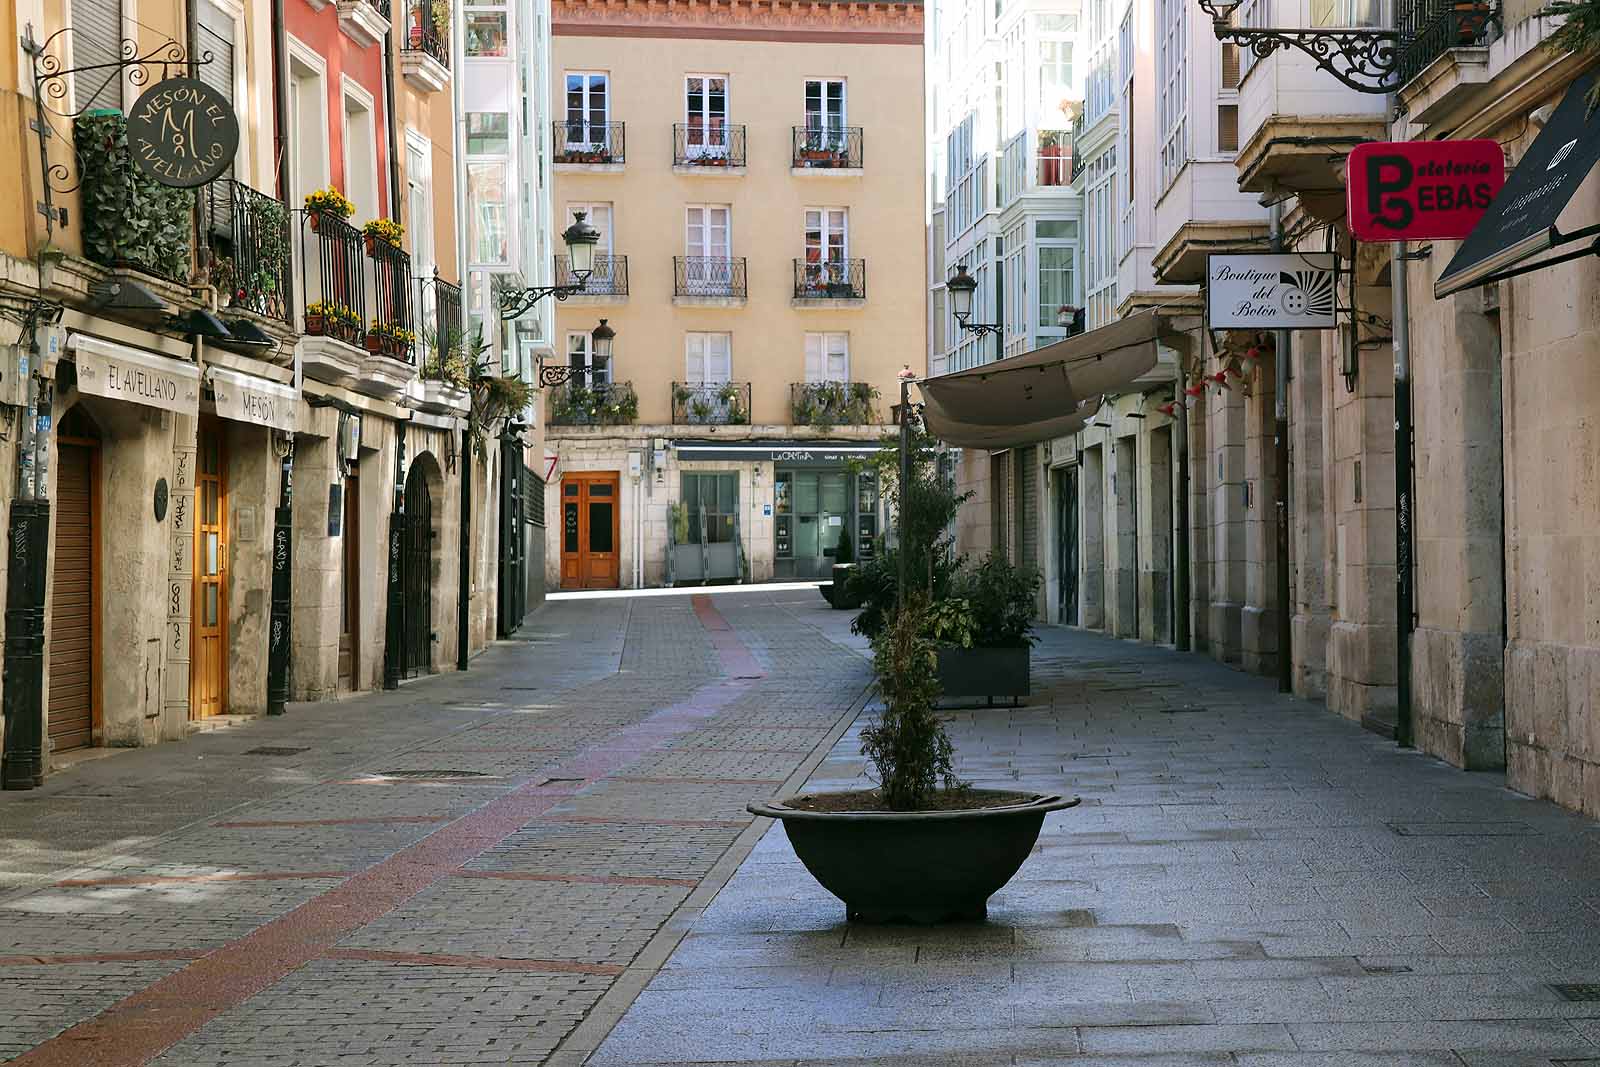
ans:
(394, 628)
(905, 483)
(1404, 589)
(1180, 615)
(282, 551)
(1280, 443)
(22, 701)
(464, 550)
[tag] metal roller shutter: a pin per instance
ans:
(97, 38)
(72, 603)
(1028, 506)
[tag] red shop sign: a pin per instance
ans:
(1421, 190)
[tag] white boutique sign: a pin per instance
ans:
(1291, 291)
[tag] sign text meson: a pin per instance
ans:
(182, 132)
(1288, 291)
(1422, 190)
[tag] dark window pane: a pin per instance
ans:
(600, 527)
(600, 489)
(728, 493)
(569, 536)
(570, 489)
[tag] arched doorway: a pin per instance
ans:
(75, 586)
(416, 562)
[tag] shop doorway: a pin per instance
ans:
(590, 530)
(209, 636)
(1067, 544)
(416, 561)
(75, 586)
(815, 510)
(349, 582)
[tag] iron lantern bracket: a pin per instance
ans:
(1367, 61)
(514, 303)
(982, 328)
(551, 377)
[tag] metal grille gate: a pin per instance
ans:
(416, 561)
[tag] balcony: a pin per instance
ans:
(830, 151)
(1075, 166)
(443, 346)
(364, 21)
(249, 242)
(391, 337)
(711, 403)
(336, 299)
(824, 405)
(715, 151)
(425, 55)
(833, 284)
(708, 281)
(1431, 30)
(590, 146)
(599, 404)
(607, 282)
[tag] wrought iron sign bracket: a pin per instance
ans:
(1365, 60)
(551, 377)
(55, 85)
(982, 328)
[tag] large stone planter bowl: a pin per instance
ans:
(917, 866)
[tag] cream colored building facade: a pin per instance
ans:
(755, 172)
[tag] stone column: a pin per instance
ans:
(1307, 516)
(1258, 618)
(1123, 564)
(1155, 547)
(1092, 521)
(1201, 466)
(1226, 429)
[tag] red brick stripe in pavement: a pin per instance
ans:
(296, 824)
(495, 963)
(182, 879)
(145, 1024)
(736, 658)
(627, 820)
(584, 879)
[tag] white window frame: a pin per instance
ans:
(349, 90)
(305, 56)
(706, 229)
(1172, 74)
(824, 81)
(823, 343)
(713, 140)
(587, 108)
(712, 344)
(588, 375)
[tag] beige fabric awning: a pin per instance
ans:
(1049, 392)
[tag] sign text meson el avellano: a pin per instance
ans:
(182, 132)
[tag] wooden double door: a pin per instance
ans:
(208, 633)
(591, 524)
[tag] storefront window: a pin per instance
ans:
(712, 501)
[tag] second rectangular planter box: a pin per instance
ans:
(983, 672)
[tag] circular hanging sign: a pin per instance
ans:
(182, 132)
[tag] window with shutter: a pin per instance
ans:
(96, 39)
(1227, 127)
(708, 358)
(827, 357)
(1230, 66)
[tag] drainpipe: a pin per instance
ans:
(1180, 613)
(393, 124)
(1280, 443)
(1404, 588)
(28, 543)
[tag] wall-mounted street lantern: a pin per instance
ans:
(1367, 60)
(961, 286)
(581, 239)
(600, 338)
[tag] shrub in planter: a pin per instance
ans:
(129, 220)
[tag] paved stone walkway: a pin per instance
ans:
(463, 871)
(1250, 881)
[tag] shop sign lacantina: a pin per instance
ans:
(1276, 291)
(1521, 221)
(122, 372)
(248, 398)
(785, 453)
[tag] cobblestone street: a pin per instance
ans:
(548, 860)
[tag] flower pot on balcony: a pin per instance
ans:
(415, 36)
(375, 342)
(1472, 16)
(315, 325)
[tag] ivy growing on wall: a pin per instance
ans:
(129, 219)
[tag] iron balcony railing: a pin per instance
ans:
(392, 332)
(609, 277)
(696, 144)
(708, 276)
(711, 403)
(442, 337)
(249, 239)
(1430, 28)
(1053, 165)
(580, 141)
(825, 147)
(583, 403)
(1075, 167)
(423, 31)
(834, 279)
(335, 278)
(824, 405)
